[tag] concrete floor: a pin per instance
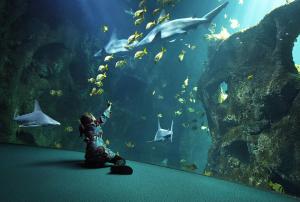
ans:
(39, 174)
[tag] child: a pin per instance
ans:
(97, 154)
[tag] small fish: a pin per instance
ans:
(107, 142)
(181, 100)
(57, 93)
(163, 18)
(186, 82)
(160, 97)
(204, 128)
(234, 23)
(129, 145)
(104, 28)
(159, 55)
(190, 167)
(140, 13)
(250, 77)
(225, 16)
(150, 24)
(156, 11)
(190, 46)
(164, 162)
(181, 55)
(182, 161)
(120, 63)
(178, 113)
(139, 54)
(138, 21)
(241, 2)
(69, 129)
(57, 145)
(93, 92)
(103, 68)
(159, 115)
(100, 77)
(191, 110)
(192, 100)
(185, 125)
(99, 91)
(91, 80)
(222, 97)
(108, 58)
(142, 3)
(99, 84)
(207, 173)
(134, 37)
(129, 12)
(195, 89)
(172, 41)
(153, 93)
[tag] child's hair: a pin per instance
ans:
(87, 118)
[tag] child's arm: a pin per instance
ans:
(106, 114)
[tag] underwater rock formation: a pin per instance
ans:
(255, 131)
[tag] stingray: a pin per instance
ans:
(35, 118)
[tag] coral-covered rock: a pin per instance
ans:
(255, 130)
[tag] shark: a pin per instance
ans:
(179, 26)
(35, 118)
(163, 134)
(115, 46)
(165, 30)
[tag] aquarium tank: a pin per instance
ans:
(210, 87)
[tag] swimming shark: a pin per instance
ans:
(167, 29)
(179, 26)
(35, 118)
(163, 134)
(115, 46)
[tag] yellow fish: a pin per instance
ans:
(250, 77)
(104, 28)
(181, 55)
(190, 167)
(138, 21)
(160, 97)
(186, 82)
(129, 145)
(99, 91)
(191, 110)
(140, 13)
(159, 55)
(207, 173)
(107, 142)
(163, 18)
(108, 58)
(155, 11)
(139, 54)
(52, 92)
(100, 77)
(120, 63)
(150, 24)
(56, 93)
(91, 80)
(69, 129)
(103, 68)
(178, 113)
(142, 3)
(93, 92)
(99, 84)
(181, 100)
(135, 37)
